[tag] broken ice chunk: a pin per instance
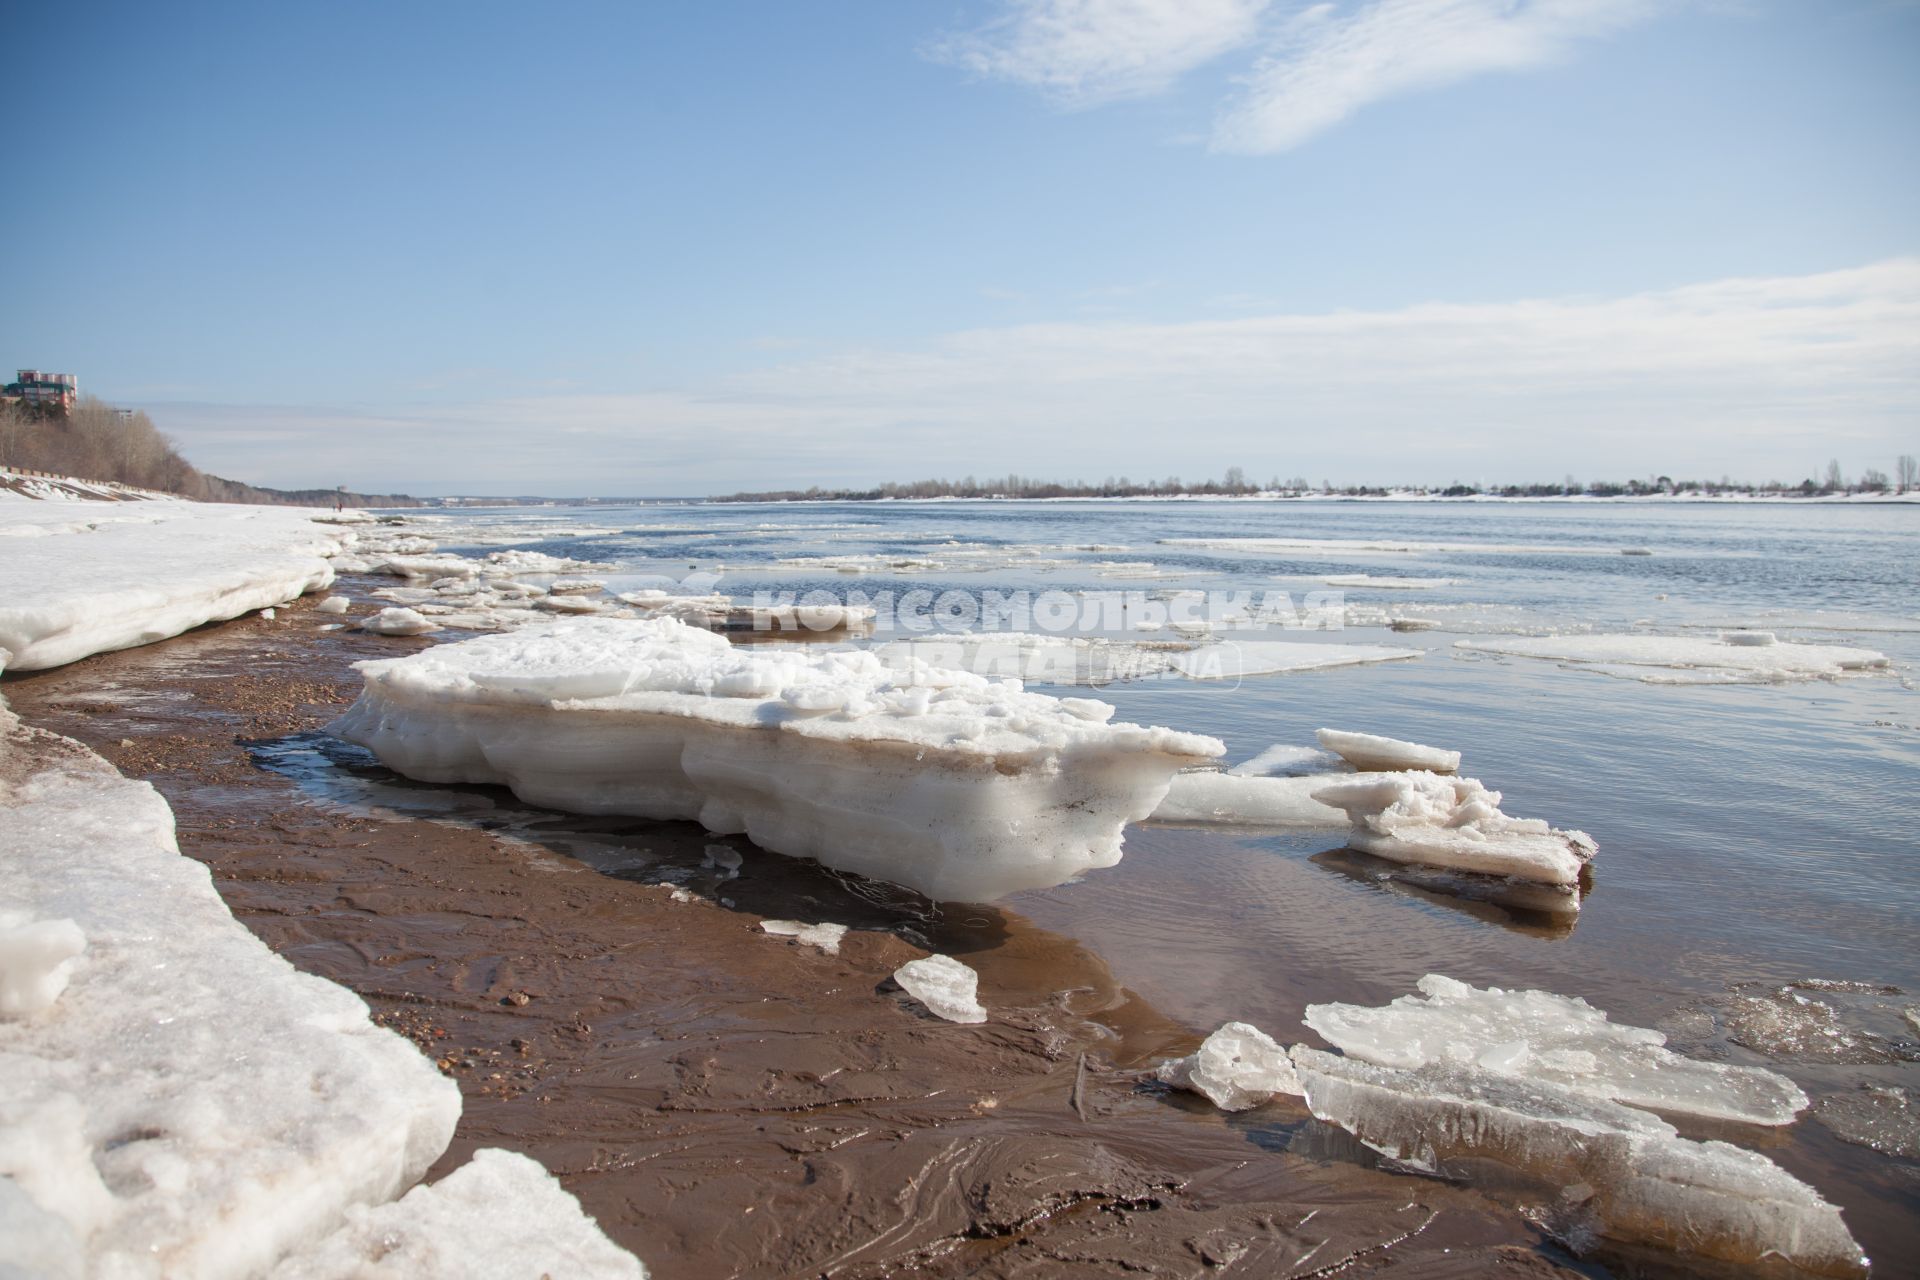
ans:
(1371, 753)
(36, 959)
(1537, 1035)
(824, 936)
(332, 604)
(1453, 822)
(945, 986)
(1237, 1067)
(394, 621)
(1649, 1185)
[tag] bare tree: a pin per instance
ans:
(1835, 480)
(1906, 470)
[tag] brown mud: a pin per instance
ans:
(723, 1102)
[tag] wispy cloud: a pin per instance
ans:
(1761, 377)
(1082, 52)
(1321, 62)
(1329, 64)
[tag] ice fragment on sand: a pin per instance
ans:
(1454, 822)
(37, 957)
(1649, 1185)
(1237, 1067)
(332, 604)
(500, 1214)
(1371, 753)
(824, 936)
(945, 986)
(960, 787)
(1537, 1035)
(398, 622)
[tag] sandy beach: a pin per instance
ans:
(721, 1101)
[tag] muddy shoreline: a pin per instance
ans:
(722, 1102)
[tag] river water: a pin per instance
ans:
(1750, 835)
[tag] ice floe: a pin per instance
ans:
(1456, 823)
(1285, 758)
(1237, 1067)
(396, 621)
(1230, 799)
(1690, 659)
(1540, 1036)
(1370, 752)
(94, 582)
(950, 783)
(948, 988)
(1883, 1117)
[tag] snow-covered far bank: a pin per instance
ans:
(1736, 657)
(181, 1101)
(955, 785)
(79, 578)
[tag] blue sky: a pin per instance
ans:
(696, 247)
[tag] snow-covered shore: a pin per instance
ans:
(79, 577)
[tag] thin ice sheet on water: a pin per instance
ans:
(1690, 659)
(1641, 1182)
(1561, 1040)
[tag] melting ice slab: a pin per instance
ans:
(1642, 1181)
(952, 784)
(1536, 1035)
(1456, 823)
(1370, 751)
(1237, 1067)
(946, 987)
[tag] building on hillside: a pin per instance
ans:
(37, 387)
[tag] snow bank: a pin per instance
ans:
(1236, 1068)
(1690, 659)
(1536, 1035)
(1370, 752)
(1624, 1170)
(94, 582)
(1456, 823)
(949, 783)
(500, 1214)
(946, 987)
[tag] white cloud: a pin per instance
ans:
(1329, 64)
(1082, 52)
(1761, 377)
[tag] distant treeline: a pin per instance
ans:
(1235, 484)
(95, 441)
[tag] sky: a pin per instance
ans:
(687, 248)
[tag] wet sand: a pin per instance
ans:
(723, 1102)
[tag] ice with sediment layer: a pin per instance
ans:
(500, 1214)
(1457, 823)
(1236, 1068)
(1690, 659)
(1537, 1035)
(949, 783)
(1373, 753)
(1640, 1181)
(948, 988)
